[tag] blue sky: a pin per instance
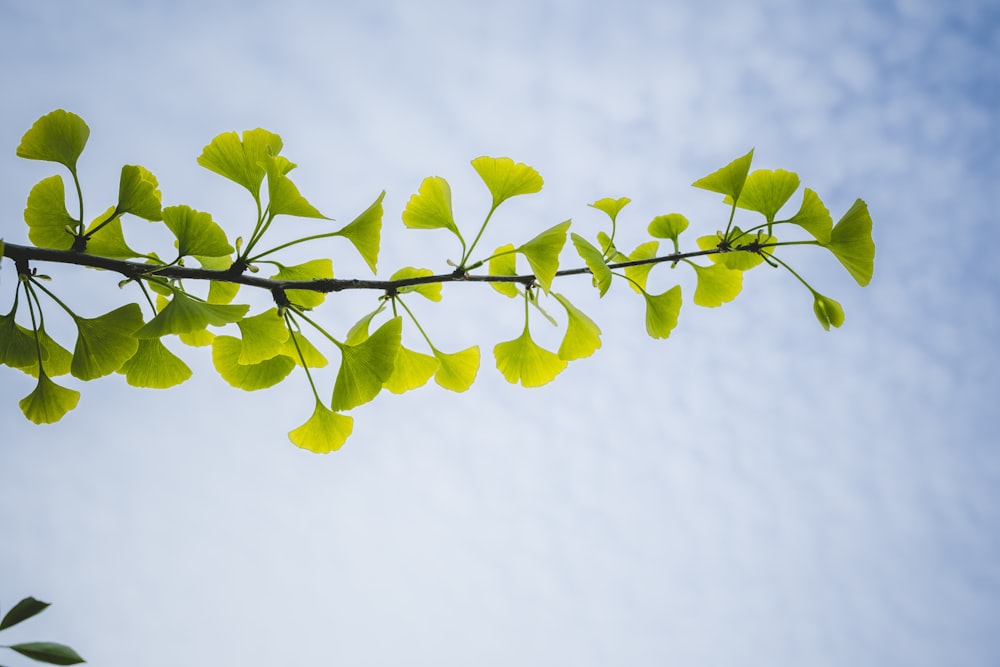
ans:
(753, 490)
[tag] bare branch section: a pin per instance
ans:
(22, 256)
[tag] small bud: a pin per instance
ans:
(253, 269)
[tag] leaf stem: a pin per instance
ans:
(468, 253)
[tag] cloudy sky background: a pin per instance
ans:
(752, 491)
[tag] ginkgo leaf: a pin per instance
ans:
(365, 232)
(669, 226)
(827, 311)
(153, 366)
(239, 160)
(317, 269)
(364, 368)
(522, 360)
(263, 337)
(185, 314)
(17, 344)
(717, 285)
(430, 291)
(594, 260)
(200, 338)
(430, 207)
(504, 263)
(283, 196)
(109, 240)
(506, 178)
(766, 191)
(736, 258)
(49, 652)
(457, 370)
(49, 224)
(851, 243)
(56, 359)
(728, 180)
(219, 291)
(542, 253)
(297, 345)
(814, 217)
(138, 193)
(105, 342)
(58, 136)
(583, 336)
(412, 370)
(611, 206)
(608, 248)
(196, 232)
(639, 274)
(662, 311)
(226, 351)
(324, 432)
(358, 333)
(49, 402)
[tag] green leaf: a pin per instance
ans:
(716, 285)
(109, 240)
(611, 206)
(196, 232)
(430, 291)
(324, 432)
(49, 224)
(48, 652)
(283, 197)
(662, 311)
(522, 360)
(728, 180)
(505, 178)
(412, 370)
(263, 336)
(542, 253)
(639, 274)
(219, 291)
(668, 226)
(504, 263)
(814, 217)
(364, 368)
(138, 193)
(583, 336)
(106, 342)
(56, 359)
(457, 370)
(594, 261)
(17, 344)
(827, 311)
(359, 332)
(766, 191)
(365, 232)
(153, 366)
(317, 269)
(22, 611)
(609, 249)
(312, 356)
(184, 314)
(226, 352)
(851, 243)
(48, 402)
(430, 207)
(241, 161)
(58, 136)
(735, 258)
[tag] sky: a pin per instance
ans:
(753, 490)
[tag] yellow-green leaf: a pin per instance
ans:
(639, 274)
(728, 180)
(716, 285)
(662, 311)
(430, 291)
(851, 243)
(594, 260)
(17, 344)
(109, 240)
(49, 224)
(226, 351)
(239, 160)
(138, 193)
(611, 206)
(365, 367)
(583, 336)
(153, 366)
(827, 311)
(504, 263)
(365, 232)
(324, 432)
(317, 269)
(58, 136)
(505, 178)
(49, 402)
(542, 253)
(412, 370)
(298, 344)
(669, 226)
(184, 314)
(457, 370)
(766, 191)
(522, 360)
(196, 232)
(430, 207)
(219, 291)
(263, 337)
(814, 217)
(105, 342)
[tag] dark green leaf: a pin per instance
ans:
(48, 652)
(22, 611)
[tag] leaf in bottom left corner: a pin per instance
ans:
(50, 652)
(324, 432)
(48, 402)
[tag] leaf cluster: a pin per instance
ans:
(51, 653)
(255, 351)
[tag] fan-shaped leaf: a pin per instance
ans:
(457, 370)
(430, 207)
(430, 291)
(153, 366)
(196, 232)
(504, 263)
(583, 336)
(58, 136)
(611, 206)
(241, 161)
(851, 242)
(109, 240)
(365, 232)
(17, 344)
(728, 180)
(106, 342)
(542, 253)
(639, 274)
(138, 193)
(766, 191)
(505, 178)
(364, 368)
(49, 224)
(814, 217)
(716, 285)
(184, 314)
(49, 402)
(298, 344)
(412, 370)
(226, 351)
(668, 226)
(594, 261)
(522, 360)
(662, 311)
(317, 269)
(263, 337)
(324, 432)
